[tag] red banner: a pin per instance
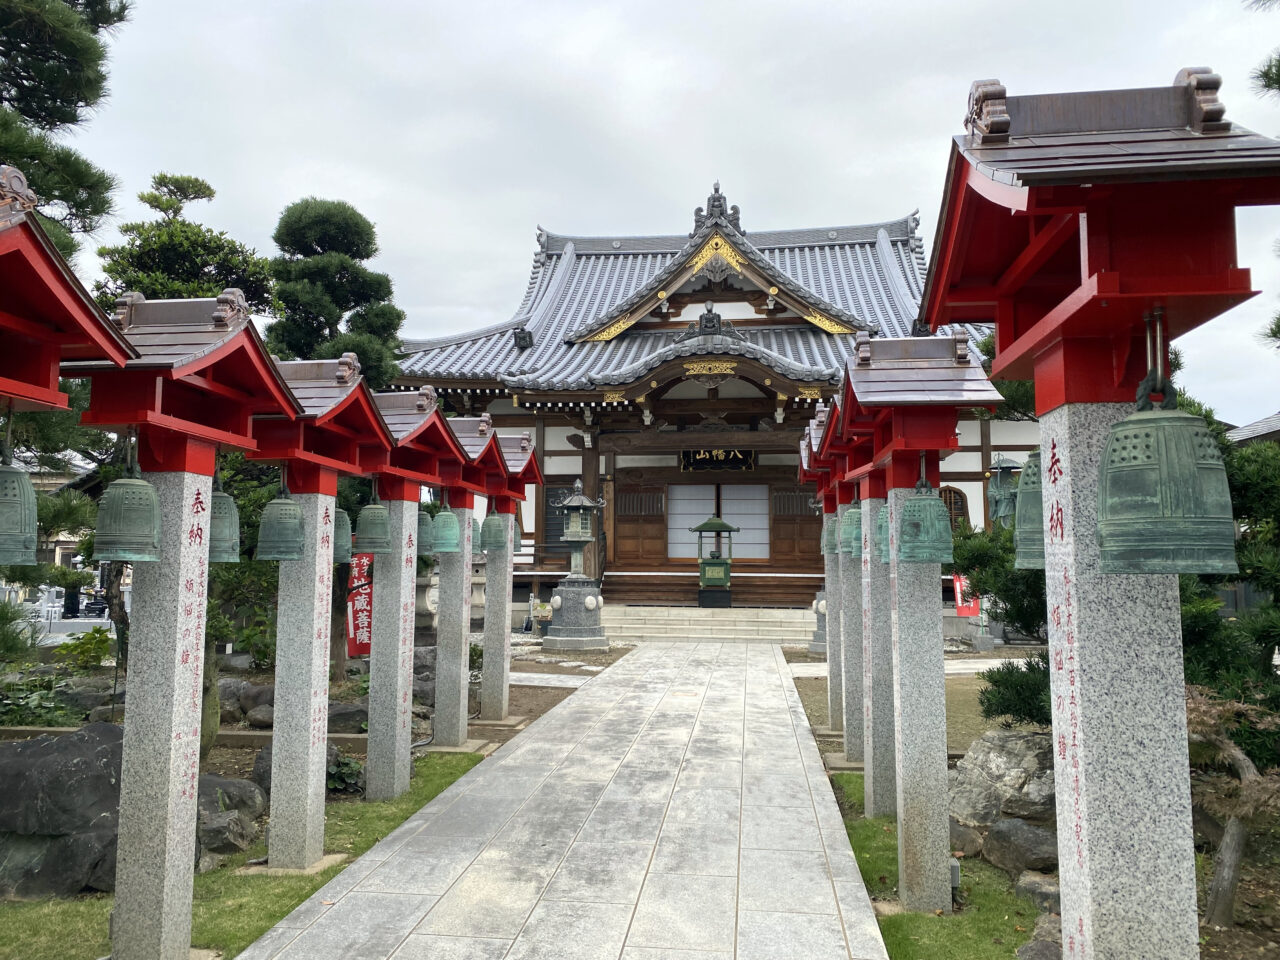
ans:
(360, 606)
(970, 608)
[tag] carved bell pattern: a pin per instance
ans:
(280, 531)
(851, 532)
(128, 521)
(224, 527)
(1028, 520)
(925, 528)
(17, 517)
(426, 533)
(341, 536)
(493, 533)
(373, 528)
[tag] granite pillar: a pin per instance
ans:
(920, 740)
(300, 733)
(879, 753)
(160, 770)
(453, 647)
(851, 650)
(835, 629)
(391, 656)
(495, 674)
(1125, 854)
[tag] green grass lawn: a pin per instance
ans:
(991, 923)
(229, 912)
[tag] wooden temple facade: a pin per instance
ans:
(675, 375)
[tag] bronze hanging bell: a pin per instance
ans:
(477, 551)
(925, 528)
(446, 532)
(493, 534)
(128, 519)
(341, 536)
(830, 534)
(1028, 517)
(426, 533)
(224, 526)
(1164, 505)
(280, 534)
(18, 526)
(851, 531)
(373, 527)
(882, 533)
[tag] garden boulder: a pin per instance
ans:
(58, 813)
(262, 716)
(1015, 846)
(1006, 773)
(252, 695)
(347, 718)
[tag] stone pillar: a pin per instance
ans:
(300, 733)
(879, 753)
(391, 655)
(160, 770)
(453, 624)
(494, 676)
(1119, 720)
(835, 656)
(920, 708)
(851, 650)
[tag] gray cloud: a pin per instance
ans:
(457, 128)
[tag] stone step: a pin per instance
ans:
(780, 636)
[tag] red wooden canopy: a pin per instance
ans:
(200, 373)
(1068, 218)
(424, 448)
(46, 316)
(339, 430)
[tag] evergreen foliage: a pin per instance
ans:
(53, 72)
(1017, 691)
(1014, 597)
(172, 257)
(331, 302)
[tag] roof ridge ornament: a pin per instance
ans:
(987, 118)
(426, 402)
(717, 209)
(863, 344)
(1206, 111)
(348, 368)
(123, 315)
(485, 425)
(710, 324)
(231, 308)
(961, 339)
(16, 198)
(526, 442)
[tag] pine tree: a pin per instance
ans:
(172, 257)
(331, 302)
(52, 74)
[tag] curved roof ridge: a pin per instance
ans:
(908, 303)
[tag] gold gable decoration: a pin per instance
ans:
(717, 246)
(810, 393)
(613, 329)
(702, 368)
(615, 396)
(826, 323)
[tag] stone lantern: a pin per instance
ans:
(576, 601)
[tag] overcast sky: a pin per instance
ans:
(457, 128)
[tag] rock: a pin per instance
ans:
(209, 861)
(262, 766)
(230, 713)
(1040, 950)
(262, 716)
(424, 691)
(81, 701)
(58, 812)
(1042, 888)
(111, 713)
(1014, 845)
(424, 660)
(236, 663)
(230, 688)
(965, 840)
(347, 718)
(99, 683)
(226, 831)
(1048, 927)
(216, 794)
(254, 696)
(357, 668)
(1005, 773)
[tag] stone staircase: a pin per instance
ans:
(640, 624)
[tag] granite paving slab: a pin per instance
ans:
(674, 808)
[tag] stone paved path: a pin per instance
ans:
(952, 668)
(674, 808)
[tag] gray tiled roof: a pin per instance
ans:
(919, 370)
(1255, 430)
(320, 385)
(870, 273)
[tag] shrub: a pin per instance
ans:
(1014, 597)
(87, 650)
(1017, 691)
(345, 775)
(34, 702)
(259, 641)
(18, 634)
